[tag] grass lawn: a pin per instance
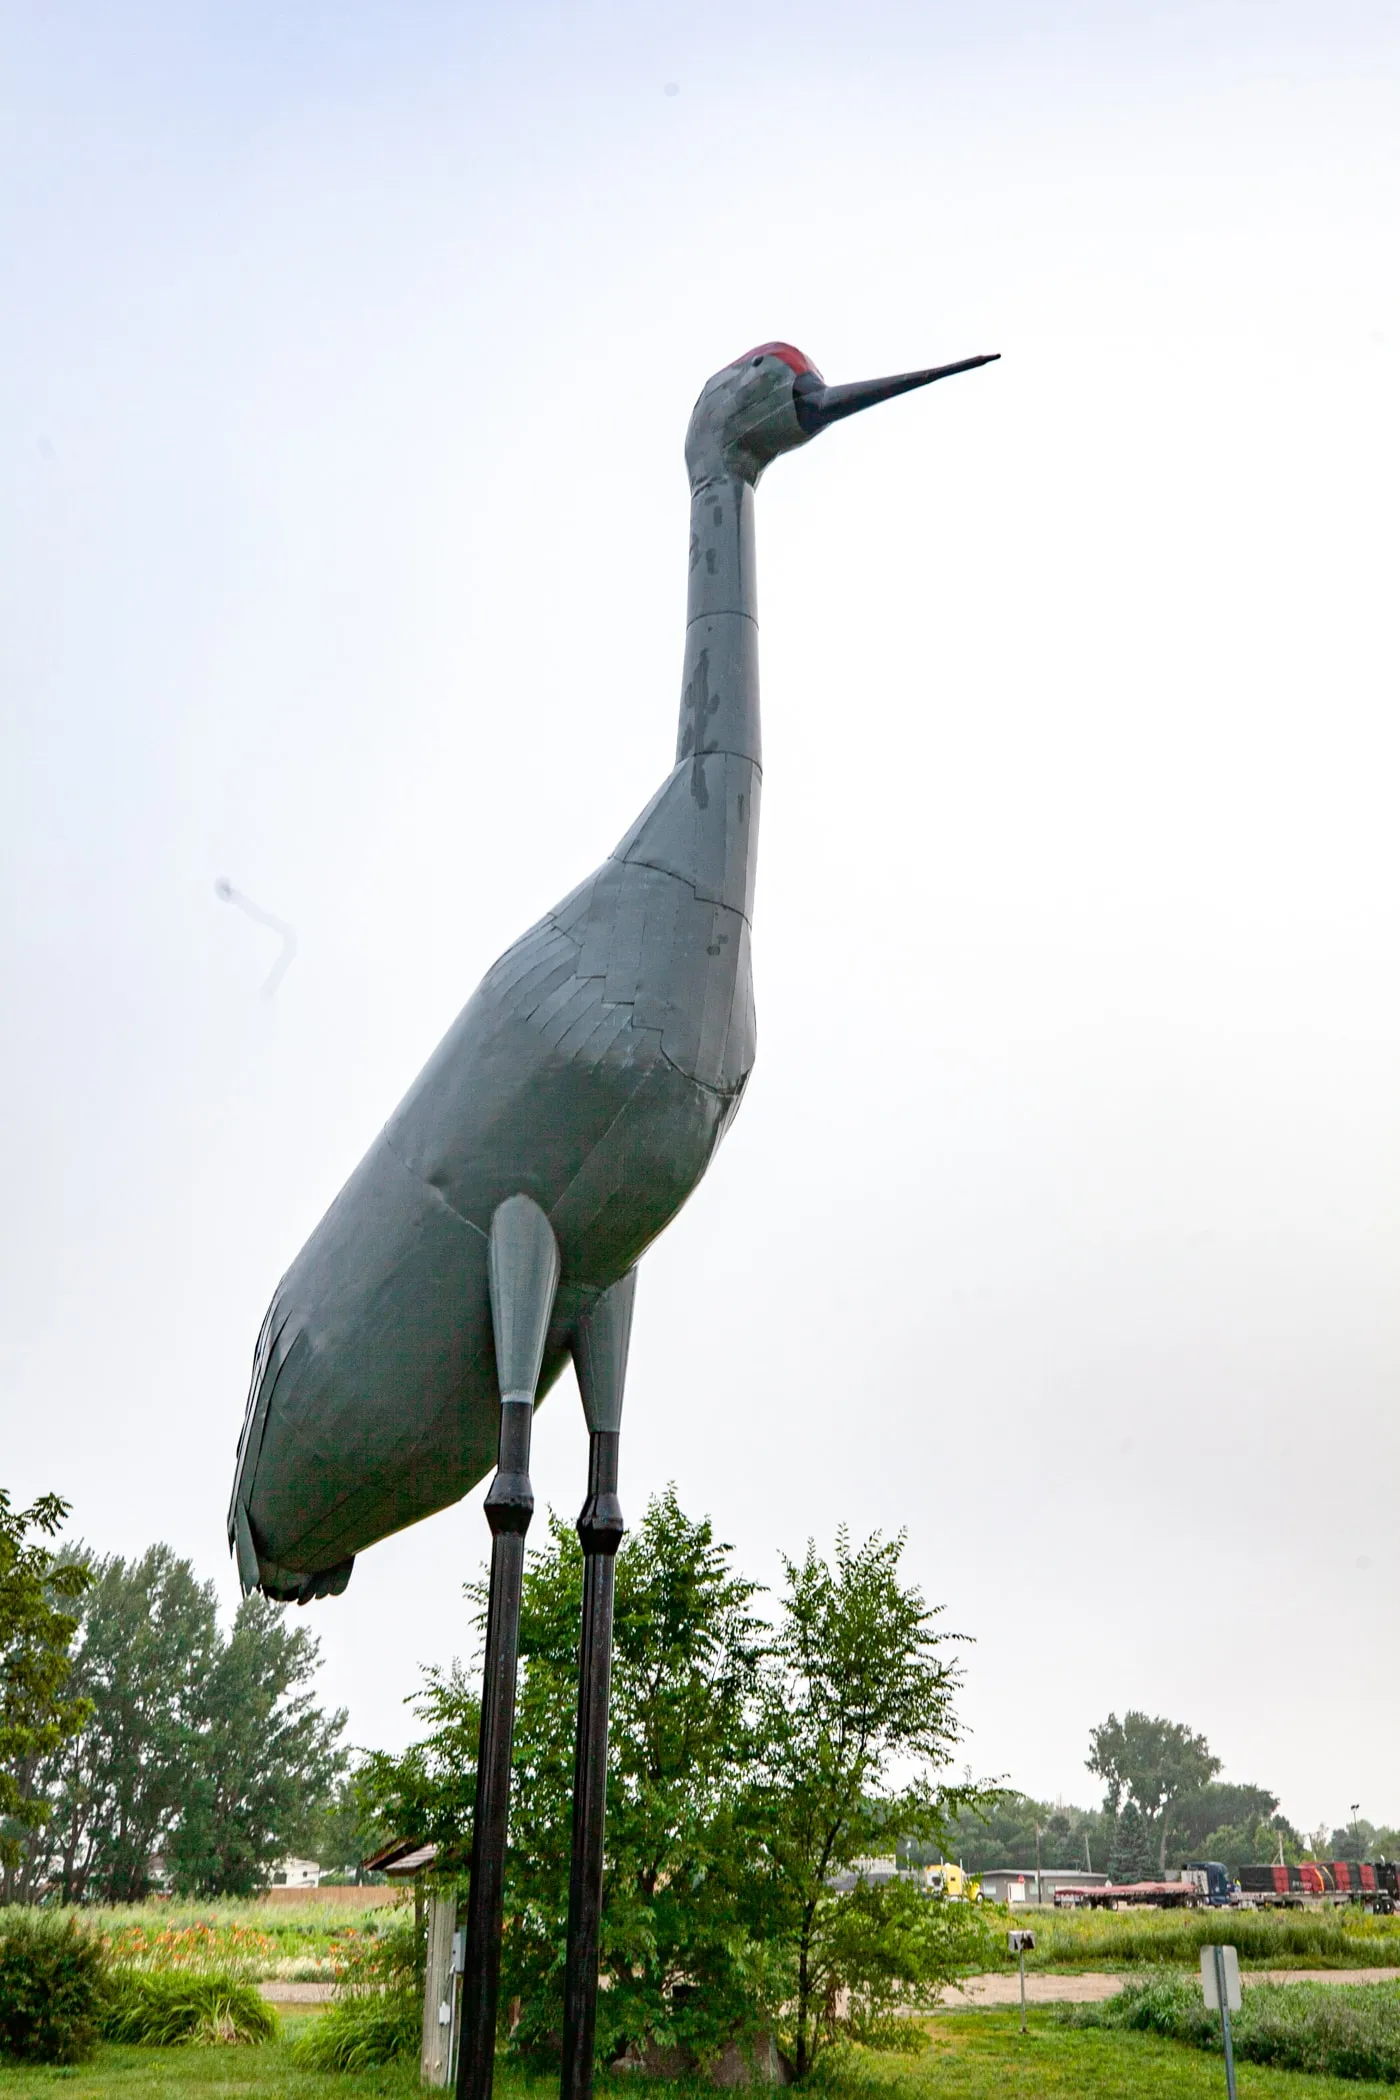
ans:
(975, 2056)
(265, 2072)
(978, 2055)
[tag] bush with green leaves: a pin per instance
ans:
(52, 1982)
(40, 1708)
(1335, 2030)
(892, 1947)
(389, 1956)
(162, 2009)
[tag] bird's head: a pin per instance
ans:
(773, 399)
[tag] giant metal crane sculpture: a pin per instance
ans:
(494, 1227)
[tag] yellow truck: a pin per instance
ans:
(948, 1880)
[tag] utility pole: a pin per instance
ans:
(1356, 1827)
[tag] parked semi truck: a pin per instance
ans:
(1205, 1882)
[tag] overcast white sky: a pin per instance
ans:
(347, 359)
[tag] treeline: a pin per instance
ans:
(137, 1733)
(1164, 1803)
(1221, 1821)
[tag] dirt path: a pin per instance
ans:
(978, 1990)
(1040, 1990)
(1092, 1986)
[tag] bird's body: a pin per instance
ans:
(594, 1070)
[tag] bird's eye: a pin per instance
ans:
(758, 360)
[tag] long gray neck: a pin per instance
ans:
(702, 822)
(719, 684)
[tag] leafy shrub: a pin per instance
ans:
(52, 1978)
(1342, 2030)
(162, 2008)
(361, 2032)
(390, 1958)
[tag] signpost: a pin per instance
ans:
(1220, 1985)
(1023, 1943)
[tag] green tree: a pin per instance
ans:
(40, 1707)
(346, 1828)
(427, 1791)
(205, 1748)
(676, 1969)
(263, 1756)
(1130, 1854)
(1154, 1763)
(1354, 1840)
(148, 1639)
(1225, 1805)
(1001, 1832)
(855, 1729)
(1251, 1844)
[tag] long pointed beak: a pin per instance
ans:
(818, 405)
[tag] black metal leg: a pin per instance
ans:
(508, 1518)
(524, 1270)
(600, 1530)
(600, 1359)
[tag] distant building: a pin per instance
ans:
(944, 1879)
(296, 1874)
(875, 1872)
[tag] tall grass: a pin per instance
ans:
(378, 2013)
(1342, 2030)
(359, 2034)
(1340, 1938)
(163, 2010)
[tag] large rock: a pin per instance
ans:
(744, 2060)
